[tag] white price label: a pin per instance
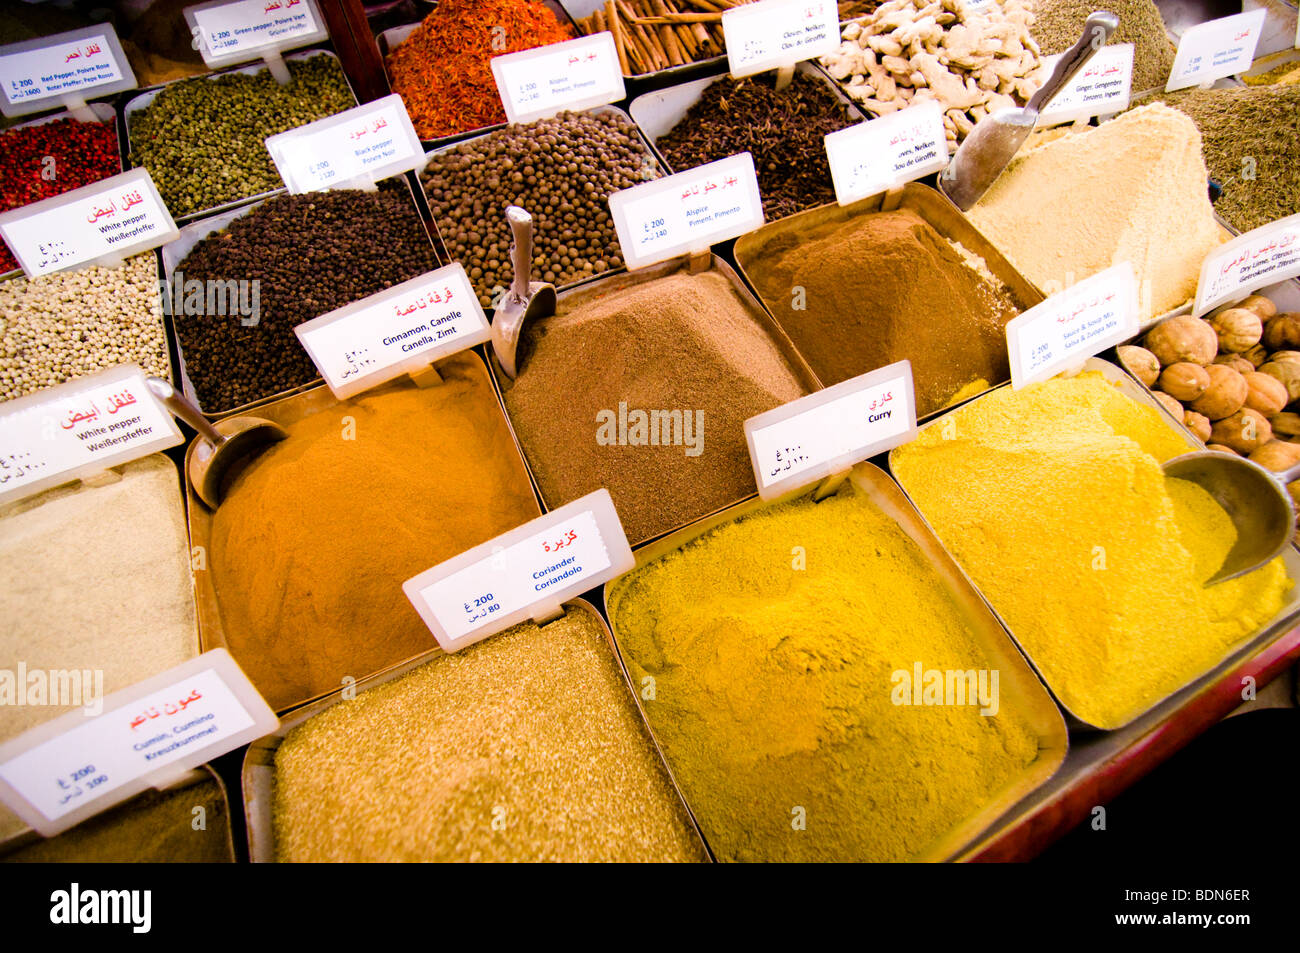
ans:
(100, 223)
(774, 33)
(400, 329)
(575, 74)
(1103, 86)
(813, 437)
(81, 427)
(1073, 325)
(75, 65)
(246, 29)
(368, 142)
(687, 212)
(528, 570)
(68, 769)
(871, 157)
(1263, 256)
(1215, 49)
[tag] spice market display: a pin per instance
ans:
(856, 457)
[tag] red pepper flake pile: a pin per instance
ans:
(39, 162)
(442, 70)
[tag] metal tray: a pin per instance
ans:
(1022, 686)
(174, 252)
(592, 289)
(1233, 655)
(285, 411)
(258, 776)
(144, 99)
(930, 204)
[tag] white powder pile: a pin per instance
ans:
(1132, 189)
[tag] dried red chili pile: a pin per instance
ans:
(38, 162)
(442, 70)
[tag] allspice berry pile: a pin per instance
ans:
(202, 139)
(562, 171)
(309, 254)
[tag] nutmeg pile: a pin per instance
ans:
(1233, 378)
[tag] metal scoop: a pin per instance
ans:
(220, 447)
(1256, 499)
(996, 139)
(525, 300)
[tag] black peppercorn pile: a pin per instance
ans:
(311, 254)
(562, 171)
(782, 131)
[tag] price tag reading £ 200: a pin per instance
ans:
(1263, 256)
(233, 32)
(77, 65)
(687, 212)
(1215, 49)
(528, 571)
(576, 74)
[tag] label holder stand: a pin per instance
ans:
(275, 63)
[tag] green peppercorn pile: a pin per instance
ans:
(310, 254)
(202, 139)
(562, 171)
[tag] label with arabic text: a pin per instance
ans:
(84, 426)
(370, 142)
(687, 212)
(532, 568)
(1261, 257)
(1103, 86)
(1215, 49)
(113, 747)
(576, 74)
(78, 65)
(871, 157)
(775, 33)
(104, 222)
(234, 32)
(827, 432)
(1073, 325)
(398, 330)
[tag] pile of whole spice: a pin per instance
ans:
(774, 689)
(525, 747)
(50, 159)
(312, 543)
(72, 323)
(644, 389)
(910, 52)
(97, 580)
(203, 140)
(1079, 203)
(443, 70)
(155, 827)
(561, 170)
(1251, 137)
(1103, 589)
(1058, 24)
(308, 254)
(883, 287)
(784, 131)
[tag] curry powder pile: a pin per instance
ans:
(772, 686)
(1053, 500)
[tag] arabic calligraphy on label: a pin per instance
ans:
(774, 33)
(887, 151)
(1215, 49)
(1264, 256)
(233, 32)
(1103, 86)
(576, 74)
(78, 65)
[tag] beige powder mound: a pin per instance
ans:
(1131, 189)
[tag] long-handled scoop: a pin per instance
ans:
(996, 139)
(525, 300)
(220, 446)
(1256, 499)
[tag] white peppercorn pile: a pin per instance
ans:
(562, 170)
(73, 323)
(310, 254)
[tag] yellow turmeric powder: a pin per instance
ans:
(1053, 500)
(773, 674)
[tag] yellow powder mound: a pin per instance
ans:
(1053, 500)
(1133, 189)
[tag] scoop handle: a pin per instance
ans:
(179, 406)
(1096, 32)
(521, 250)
